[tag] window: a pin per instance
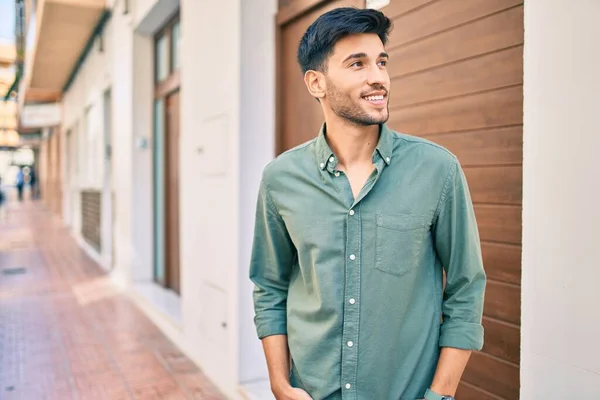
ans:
(175, 46)
(162, 58)
(167, 51)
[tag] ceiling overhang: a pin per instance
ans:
(63, 30)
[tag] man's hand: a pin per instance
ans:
(292, 393)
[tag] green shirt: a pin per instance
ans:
(357, 283)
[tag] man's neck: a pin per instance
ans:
(352, 144)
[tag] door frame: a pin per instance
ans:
(162, 90)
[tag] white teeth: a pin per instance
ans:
(374, 98)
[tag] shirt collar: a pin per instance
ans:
(326, 157)
(385, 146)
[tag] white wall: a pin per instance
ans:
(257, 141)
(560, 356)
(83, 165)
(210, 162)
(83, 105)
(143, 219)
(122, 115)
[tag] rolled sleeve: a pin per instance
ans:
(459, 249)
(271, 264)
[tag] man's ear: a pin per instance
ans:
(315, 83)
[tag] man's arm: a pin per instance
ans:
(450, 368)
(273, 255)
(277, 355)
(459, 249)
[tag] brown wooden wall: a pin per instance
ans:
(91, 206)
(457, 79)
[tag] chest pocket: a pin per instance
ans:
(398, 243)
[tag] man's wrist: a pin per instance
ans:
(281, 387)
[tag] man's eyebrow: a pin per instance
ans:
(355, 55)
(363, 55)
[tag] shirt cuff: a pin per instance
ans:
(431, 395)
(461, 335)
(270, 326)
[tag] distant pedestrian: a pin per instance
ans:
(20, 183)
(33, 183)
(2, 201)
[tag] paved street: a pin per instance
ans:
(66, 333)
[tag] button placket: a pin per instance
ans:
(351, 312)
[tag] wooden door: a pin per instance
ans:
(299, 115)
(457, 79)
(172, 192)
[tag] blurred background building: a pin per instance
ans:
(150, 122)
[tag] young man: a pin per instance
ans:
(353, 232)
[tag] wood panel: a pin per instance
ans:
(480, 111)
(499, 223)
(172, 190)
(502, 340)
(498, 185)
(502, 262)
(497, 376)
(503, 302)
(487, 147)
(466, 391)
(442, 15)
(168, 85)
(457, 75)
(490, 71)
(397, 8)
(493, 33)
(291, 9)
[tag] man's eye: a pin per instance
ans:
(356, 64)
(383, 63)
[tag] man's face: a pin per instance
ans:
(357, 80)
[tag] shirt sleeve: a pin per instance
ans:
(459, 249)
(273, 255)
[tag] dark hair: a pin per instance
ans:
(319, 39)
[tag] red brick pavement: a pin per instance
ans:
(67, 333)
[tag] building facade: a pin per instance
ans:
(169, 110)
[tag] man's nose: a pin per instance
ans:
(376, 75)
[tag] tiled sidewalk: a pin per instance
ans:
(66, 333)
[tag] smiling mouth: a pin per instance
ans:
(374, 98)
(377, 100)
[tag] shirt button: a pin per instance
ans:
(351, 212)
(387, 159)
(348, 386)
(352, 257)
(331, 159)
(350, 344)
(322, 165)
(352, 301)
(337, 174)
